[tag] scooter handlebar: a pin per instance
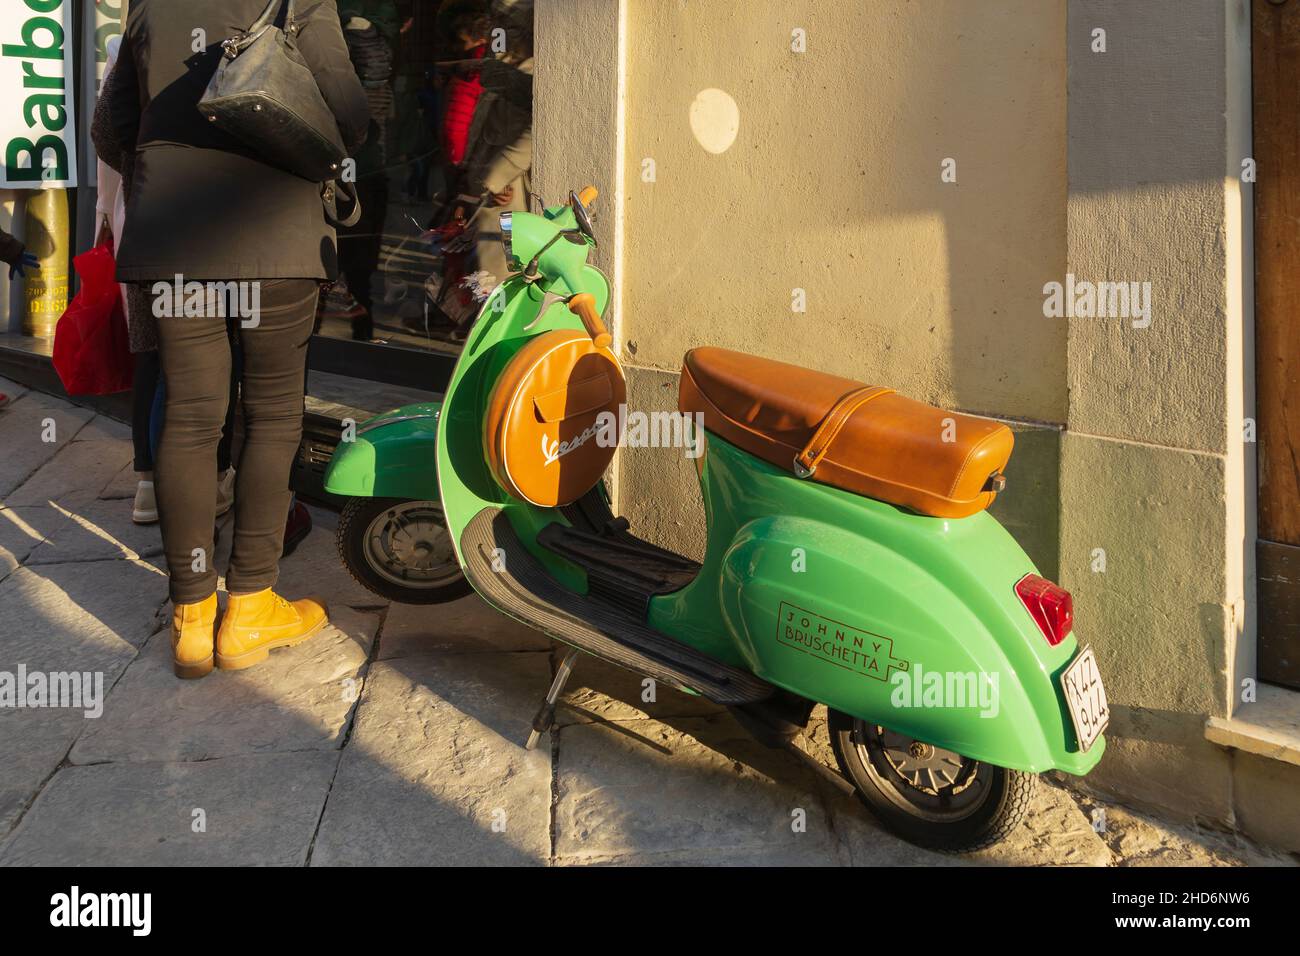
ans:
(583, 305)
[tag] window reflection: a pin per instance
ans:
(450, 148)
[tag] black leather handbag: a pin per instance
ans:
(263, 93)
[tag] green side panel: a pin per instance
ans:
(394, 456)
(863, 606)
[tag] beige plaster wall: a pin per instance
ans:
(832, 185)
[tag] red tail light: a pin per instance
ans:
(1050, 606)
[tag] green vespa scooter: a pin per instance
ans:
(850, 560)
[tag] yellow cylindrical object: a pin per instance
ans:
(45, 288)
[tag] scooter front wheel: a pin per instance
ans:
(929, 796)
(401, 550)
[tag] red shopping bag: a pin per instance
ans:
(91, 352)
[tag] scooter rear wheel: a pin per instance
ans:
(400, 550)
(929, 796)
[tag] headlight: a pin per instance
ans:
(505, 235)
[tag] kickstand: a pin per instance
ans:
(545, 718)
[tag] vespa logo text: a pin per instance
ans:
(852, 648)
(553, 451)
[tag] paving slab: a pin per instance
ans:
(93, 530)
(22, 433)
(435, 772)
(83, 615)
(300, 698)
(254, 810)
(466, 626)
(18, 539)
(70, 617)
(75, 476)
(123, 484)
(646, 791)
(11, 388)
(33, 743)
(103, 428)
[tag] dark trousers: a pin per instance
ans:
(196, 369)
(144, 383)
(146, 413)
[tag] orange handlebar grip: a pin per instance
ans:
(583, 305)
(588, 195)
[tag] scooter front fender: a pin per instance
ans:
(393, 455)
(908, 622)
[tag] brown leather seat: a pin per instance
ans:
(869, 440)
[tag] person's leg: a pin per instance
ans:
(144, 384)
(157, 414)
(226, 445)
(195, 360)
(275, 356)
(357, 275)
(363, 242)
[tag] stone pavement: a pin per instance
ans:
(395, 736)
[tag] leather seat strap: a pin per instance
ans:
(805, 463)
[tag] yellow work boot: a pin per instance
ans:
(255, 623)
(192, 637)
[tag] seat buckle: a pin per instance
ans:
(800, 471)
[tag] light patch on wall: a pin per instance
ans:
(715, 120)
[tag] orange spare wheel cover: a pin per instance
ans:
(541, 429)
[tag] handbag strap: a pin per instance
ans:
(268, 16)
(806, 462)
(233, 46)
(330, 193)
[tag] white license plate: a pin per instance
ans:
(1086, 698)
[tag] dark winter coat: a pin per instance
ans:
(201, 204)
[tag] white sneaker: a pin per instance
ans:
(225, 492)
(145, 509)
